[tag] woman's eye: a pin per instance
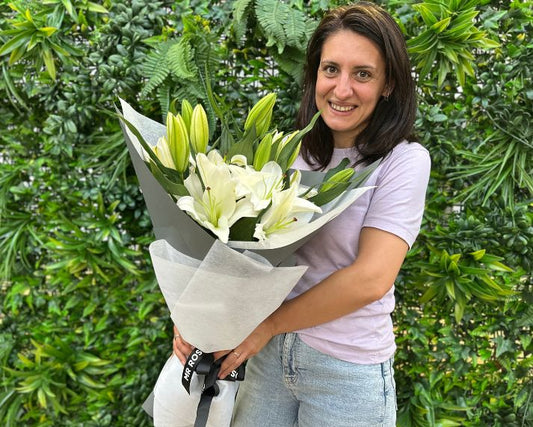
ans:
(330, 69)
(363, 75)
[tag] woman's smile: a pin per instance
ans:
(341, 108)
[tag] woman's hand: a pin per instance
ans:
(236, 357)
(181, 348)
(245, 350)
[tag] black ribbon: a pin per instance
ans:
(205, 364)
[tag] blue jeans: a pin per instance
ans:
(290, 384)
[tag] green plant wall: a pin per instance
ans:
(84, 330)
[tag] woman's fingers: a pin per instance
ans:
(248, 348)
(234, 359)
(181, 348)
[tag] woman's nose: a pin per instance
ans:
(343, 88)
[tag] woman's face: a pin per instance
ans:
(350, 82)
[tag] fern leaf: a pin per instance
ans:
(191, 92)
(155, 68)
(180, 58)
(310, 27)
(292, 62)
(239, 10)
(163, 96)
(206, 56)
(295, 29)
(239, 29)
(272, 14)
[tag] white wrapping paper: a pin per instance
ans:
(173, 407)
(217, 302)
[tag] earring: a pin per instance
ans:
(386, 97)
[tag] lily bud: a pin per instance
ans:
(262, 154)
(186, 113)
(340, 177)
(261, 115)
(178, 139)
(199, 130)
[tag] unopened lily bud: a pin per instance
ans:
(186, 113)
(261, 115)
(340, 177)
(199, 130)
(178, 141)
(262, 154)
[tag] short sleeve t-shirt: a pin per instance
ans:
(395, 204)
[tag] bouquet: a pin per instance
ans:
(227, 216)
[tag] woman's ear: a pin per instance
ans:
(387, 91)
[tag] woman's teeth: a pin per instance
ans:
(341, 108)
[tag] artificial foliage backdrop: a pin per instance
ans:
(84, 330)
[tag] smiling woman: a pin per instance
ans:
(325, 356)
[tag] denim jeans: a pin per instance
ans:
(290, 384)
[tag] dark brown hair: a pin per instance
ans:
(393, 118)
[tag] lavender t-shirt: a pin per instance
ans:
(395, 205)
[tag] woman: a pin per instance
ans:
(324, 357)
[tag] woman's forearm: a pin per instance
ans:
(367, 280)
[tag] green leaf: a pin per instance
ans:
(171, 187)
(41, 397)
(243, 229)
(430, 293)
(49, 62)
(427, 12)
(294, 28)
(156, 68)
(48, 31)
(288, 149)
(478, 254)
(16, 42)
(441, 25)
(96, 8)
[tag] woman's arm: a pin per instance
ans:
(368, 279)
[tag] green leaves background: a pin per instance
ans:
(84, 330)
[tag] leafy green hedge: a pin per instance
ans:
(84, 329)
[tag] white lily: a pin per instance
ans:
(263, 184)
(287, 211)
(212, 201)
(258, 186)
